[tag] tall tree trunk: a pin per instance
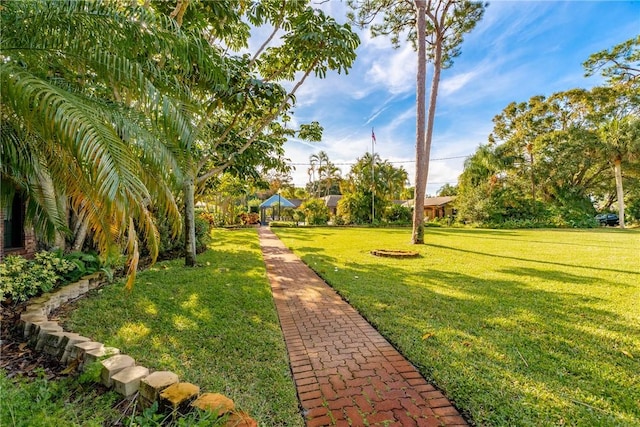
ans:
(189, 222)
(424, 170)
(618, 172)
(433, 99)
(80, 234)
(532, 177)
(417, 236)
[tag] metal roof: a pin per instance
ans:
(277, 199)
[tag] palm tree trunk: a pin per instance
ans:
(421, 162)
(619, 190)
(80, 234)
(189, 222)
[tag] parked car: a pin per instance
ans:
(608, 219)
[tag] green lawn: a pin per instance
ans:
(38, 402)
(519, 328)
(214, 325)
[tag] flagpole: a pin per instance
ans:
(373, 180)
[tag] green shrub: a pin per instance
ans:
(203, 235)
(298, 216)
(397, 214)
(211, 218)
(86, 263)
(21, 279)
(175, 244)
(338, 220)
(315, 211)
(282, 224)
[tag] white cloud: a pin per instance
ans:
(394, 70)
(457, 82)
(518, 50)
(400, 119)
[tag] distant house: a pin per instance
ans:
(436, 207)
(296, 202)
(16, 238)
(331, 202)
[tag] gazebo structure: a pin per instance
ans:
(275, 202)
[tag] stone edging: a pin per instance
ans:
(389, 253)
(118, 371)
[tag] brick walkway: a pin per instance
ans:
(346, 373)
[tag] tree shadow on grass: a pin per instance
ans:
(508, 352)
(510, 234)
(213, 325)
(559, 264)
(555, 276)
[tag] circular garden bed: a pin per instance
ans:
(388, 253)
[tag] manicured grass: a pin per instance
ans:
(214, 325)
(64, 403)
(519, 328)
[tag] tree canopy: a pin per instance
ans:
(117, 113)
(557, 160)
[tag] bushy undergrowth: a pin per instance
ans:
(85, 263)
(21, 279)
(175, 244)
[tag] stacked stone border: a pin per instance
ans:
(119, 371)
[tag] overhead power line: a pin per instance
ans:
(399, 161)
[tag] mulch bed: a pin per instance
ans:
(18, 359)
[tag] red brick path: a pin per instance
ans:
(346, 373)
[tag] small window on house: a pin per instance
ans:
(14, 224)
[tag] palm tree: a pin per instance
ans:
(93, 123)
(620, 140)
(330, 174)
(318, 162)
(392, 180)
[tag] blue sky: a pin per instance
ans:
(519, 49)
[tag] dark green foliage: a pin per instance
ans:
(203, 236)
(397, 214)
(633, 209)
(86, 263)
(170, 244)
